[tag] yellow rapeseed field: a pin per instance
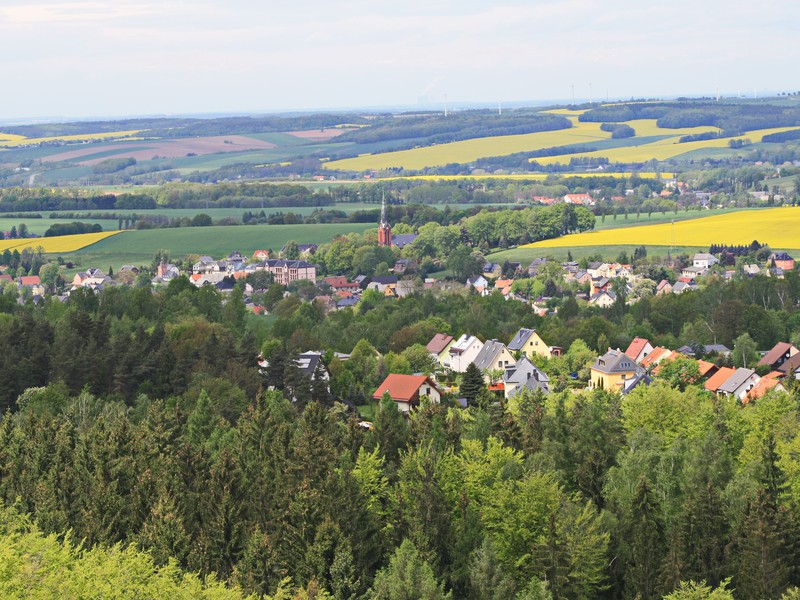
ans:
(777, 227)
(469, 150)
(62, 243)
(11, 141)
(528, 176)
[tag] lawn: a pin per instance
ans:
(138, 247)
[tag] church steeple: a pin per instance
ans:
(384, 229)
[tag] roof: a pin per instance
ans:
(403, 239)
(521, 338)
(30, 280)
(635, 348)
(657, 355)
(308, 362)
(614, 361)
(523, 371)
(403, 388)
(778, 352)
(464, 342)
(718, 348)
(706, 367)
(762, 387)
(439, 342)
(718, 378)
(488, 354)
(735, 381)
(792, 363)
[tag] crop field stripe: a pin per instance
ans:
(63, 243)
(774, 226)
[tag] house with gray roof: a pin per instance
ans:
(462, 353)
(494, 356)
(738, 384)
(528, 342)
(524, 376)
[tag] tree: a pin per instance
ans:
(744, 351)
(202, 220)
(291, 251)
(472, 383)
(692, 590)
(408, 577)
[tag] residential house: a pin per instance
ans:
(663, 287)
(439, 346)
(707, 369)
(791, 366)
(524, 376)
(261, 255)
(783, 261)
(580, 199)
(479, 284)
(638, 349)
(311, 365)
(611, 370)
(751, 270)
(406, 390)
(779, 354)
(640, 378)
(764, 385)
(493, 356)
(463, 352)
(694, 272)
(535, 266)
(492, 270)
(289, 271)
(401, 240)
(683, 286)
(738, 384)
(718, 378)
(600, 284)
(603, 299)
(704, 260)
(655, 357)
(528, 342)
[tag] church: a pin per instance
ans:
(385, 236)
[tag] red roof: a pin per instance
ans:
(439, 343)
(636, 347)
(403, 388)
(718, 378)
(706, 367)
(655, 356)
(762, 387)
(31, 280)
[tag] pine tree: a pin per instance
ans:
(472, 384)
(644, 535)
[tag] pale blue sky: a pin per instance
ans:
(101, 58)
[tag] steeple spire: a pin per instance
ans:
(383, 209)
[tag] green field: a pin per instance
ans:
(39, 226)
(138, 247)
(609, 253)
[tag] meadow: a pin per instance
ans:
(138, 247)
(774, 226)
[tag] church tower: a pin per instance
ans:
(384, 229)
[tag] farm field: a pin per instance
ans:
(8, 140)
(526, 254)
(774, 226)
(529, 176)
(39, 226)
(59, 244)
(138, 247)
(470, 150)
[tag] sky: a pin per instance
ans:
(83, 59)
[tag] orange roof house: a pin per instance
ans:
(720, 377)
(707, 369)
(638, 349)
(764, 384)
(406, 390)
(656, 356)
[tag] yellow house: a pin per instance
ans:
(611, 370)
(528, 342)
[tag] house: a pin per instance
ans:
(479, 284)
(528, 342)
(656, 356)
(791, 366)
(764, 385)
(693, 272)
(380, 283)
(492, 270)
(639, 379)
(406, 390)
(580, 199)
(638, 349)
(779, 354)
(535, 266)
(738, 384)
(720, 349)
(288, 271)
(261, 255)
(600, 284)
(683, 286)
(493, 356)
(524, 376)
(603, 299)
(463, 352)
(347, 302)
(751, 270)
(611, 370)
(704, 260)
(311, 365)
(439, 346)
(663, 287)
(718, 378)
(782, 261)
(707, 369)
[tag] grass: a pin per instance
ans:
(138, 247)
(610, 252)
(774, 226)
(39, 226)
